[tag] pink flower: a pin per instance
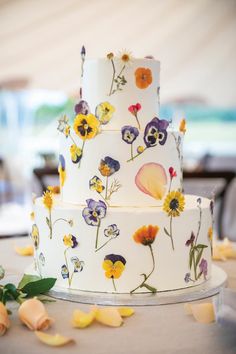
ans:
(172, 172)
(134, 108)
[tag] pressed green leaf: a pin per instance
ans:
(199, 256)
(38, 287)
(27, 278)
(191, 255)
(200, 246)
(149, 287)
(166, 232)
(47, 221)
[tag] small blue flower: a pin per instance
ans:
(129, 134)
(78, 265)
(62, 162)
(94, 212)
(64, 271)
(156, 132)
(112, 231)
(187, 278)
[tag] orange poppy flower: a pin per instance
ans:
(146, 234)
(143, 77)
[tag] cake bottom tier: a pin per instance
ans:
(123, 250)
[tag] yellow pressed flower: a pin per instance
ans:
(62, 175)
(113, 270)
(32, 216)
(174, 203)
(67, 239)
(110, 56)
(67, 131)
(86, 126)
(104, 112)
(54, 189)
(182, 126)
(126, 57)
(75, 153)
(140, 149)
(48, 200)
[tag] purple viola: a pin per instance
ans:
(108, 166)
(82, 108)
(93, 214)
(156, 132)
(190, 241)
(203, 266)
(129, 134)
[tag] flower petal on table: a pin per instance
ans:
(203, 313)
(109, 316)
(33, 314)
(125, 311)
(25, 251)
(82, 319)
(4, 319)
(55, 340)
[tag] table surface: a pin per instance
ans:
(152, 329)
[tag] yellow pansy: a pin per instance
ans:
(86, 126)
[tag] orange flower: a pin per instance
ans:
(146, 234)
(143, 77)
(182, 126)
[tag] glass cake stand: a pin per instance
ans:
(209, 288)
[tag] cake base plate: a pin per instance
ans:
(209, 288)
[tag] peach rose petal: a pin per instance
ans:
(203, 313)
(33, 314)
(82, 319)
(109, 316)
(151, 179)
(53, 340)
(125, 311)
(188, 309)
(223, 251)
(4, 319)
(25, 251)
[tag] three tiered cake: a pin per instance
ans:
(121, 223)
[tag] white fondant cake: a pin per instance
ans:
(121, 223)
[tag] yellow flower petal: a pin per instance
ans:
(53, 340)
(125, 311)
(107, 264)
(109, 316)
(82, 319)
(4, 319)
(203, 313)
(33, 314)
(25, 251)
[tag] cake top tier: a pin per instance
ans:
(122, 87)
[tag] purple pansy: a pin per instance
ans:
(129, 133)
(115, 258)
(203, 267)
(64, 271)
(156, 132)
(191, 240)
(94, 212)
(108, 166)
(78, 265)
(82, 108)
(112, 231)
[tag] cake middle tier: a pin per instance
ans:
(118, 172)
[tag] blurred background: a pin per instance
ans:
(40, 43)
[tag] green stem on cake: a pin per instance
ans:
(98, 227)
(82, 151)
(171, 236)
(114, 285)
(106, 188)
(70, 278)
(132, 152)
(105, 243)
(50, 224)
(139, 126)
(199, 223)
(105, 200)
(134, 157)
(67, 266)
(113, 77)
(144, 284)
(170, 184)
(60, 219)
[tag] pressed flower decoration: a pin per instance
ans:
(118, 80)
(35, 239)
(143, 78)
(108, 166)
(83, 54)
(129, 135)
(155, 133)
(196, 262)
(151, 179)
(62, 170)
(70, 242)
(145, 236)
(93, 215)
(210, 230)
(182, 129)
(172, 174)
(134, 109)
(111, 232)
(104, 112)
(174, 204)
(114, 266)
(48, 202)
